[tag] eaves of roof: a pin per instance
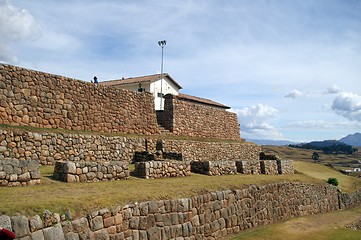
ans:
(201, 100)
(141, 79)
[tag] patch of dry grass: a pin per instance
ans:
(83, 197)
(321, 172)
(314, 227)
(305, 165)
(300, 154)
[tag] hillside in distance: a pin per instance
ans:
(270, 142)
(352, 139)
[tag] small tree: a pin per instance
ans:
(333, 181)
(315, 156)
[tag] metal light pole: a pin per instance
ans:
(161, 44)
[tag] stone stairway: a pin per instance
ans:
(163, 131)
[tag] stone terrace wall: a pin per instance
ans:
(206, 216)
(162, 169)
(214, 168)
(51, 147)
(243, 166)
(44, 100)
(209, 151)
(192, 119)
(90, 171)
(19, 173)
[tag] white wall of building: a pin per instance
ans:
(166, 87)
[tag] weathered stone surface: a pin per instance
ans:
(54, 233)
(35, 223)
(162, 169)
(74, 108)
(80, 225)
(214, 167)
(90, 171)
(37, 235)
(285, 166)
(95, 148)
(248, 166)
(188, 118)
(20, 226)
(71, 236)
(5, 222)
(19, 173)
(269, 167)
(96, 223)
(154, 233)
(206, 216)
(101, 235)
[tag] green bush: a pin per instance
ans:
(333, 181)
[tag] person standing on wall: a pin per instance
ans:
(6, 234)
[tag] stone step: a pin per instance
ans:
(163, 131)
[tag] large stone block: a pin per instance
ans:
(5, 222)
(54, 233)
(20, 226)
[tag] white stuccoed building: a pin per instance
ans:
(154, 84)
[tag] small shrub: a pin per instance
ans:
(333, 181)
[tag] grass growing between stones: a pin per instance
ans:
(313, 227)
(80, 198)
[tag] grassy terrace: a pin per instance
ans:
(326, 226)
(81, 198)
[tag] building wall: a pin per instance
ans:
(166, 88)
(207, 216)
(44, 100)
(198, 120)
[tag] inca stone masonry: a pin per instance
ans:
(42, 100)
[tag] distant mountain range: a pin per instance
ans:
(351, 139)
(270, 142)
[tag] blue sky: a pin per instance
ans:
(289, 69)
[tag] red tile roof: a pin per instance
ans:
(142, 79)
(201, 100)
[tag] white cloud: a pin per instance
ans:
(15, 25)
(348, 105)
(333, 89)
(254, 122)
(294, 94)
(322, 124)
